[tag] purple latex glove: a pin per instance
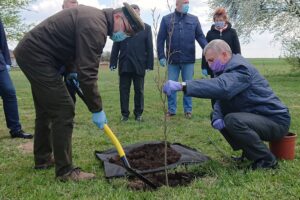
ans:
(218, 124)
(171, 86)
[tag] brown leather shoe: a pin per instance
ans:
(75, 175)
(50, 163)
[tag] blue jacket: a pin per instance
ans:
(186, 29)
(240, 88)
(4, 52)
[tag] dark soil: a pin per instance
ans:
(149, 156)
(174, 179)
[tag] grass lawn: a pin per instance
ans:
(223, 180)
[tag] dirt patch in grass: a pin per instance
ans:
(159, 179)
(149, 156)
(152, 156)
(26, 147)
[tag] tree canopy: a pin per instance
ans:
(11, 17)
(281, 17)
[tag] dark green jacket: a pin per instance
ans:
(77, 36)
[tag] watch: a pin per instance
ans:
(183, 86)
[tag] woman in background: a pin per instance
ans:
(221, 29)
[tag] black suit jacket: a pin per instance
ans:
(134, 54)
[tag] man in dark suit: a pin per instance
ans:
(8, 92)
(134, 56)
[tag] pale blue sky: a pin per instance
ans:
(260, 46)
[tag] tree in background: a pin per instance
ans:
(281, 17)
(11, 17)
(292, 52)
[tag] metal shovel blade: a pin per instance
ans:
(122, 155)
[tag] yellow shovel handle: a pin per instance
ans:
(114, 140)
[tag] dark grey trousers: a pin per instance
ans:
(54, 114)
(247, 131)
(124, 87)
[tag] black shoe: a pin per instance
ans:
(264, 164)
(238, 159)
(139, 118)
(21, 134)
(169, 115)
(124, 118)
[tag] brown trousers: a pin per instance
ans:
(54, 111)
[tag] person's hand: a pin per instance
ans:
(72, 77)
(218, 124)
(204, 72)
(8, 67)
(163, 62)
(99, 118)
(171, 86)
(112, 68)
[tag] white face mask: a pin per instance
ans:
(219, 24)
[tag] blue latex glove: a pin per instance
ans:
(112, 68)
(204, 72)
(72, 77)
(171, 86)
(8, 67)
(218, 124)
(163, 62)
(99, 118)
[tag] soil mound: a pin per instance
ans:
(149, 156)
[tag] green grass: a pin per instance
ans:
(222, 181)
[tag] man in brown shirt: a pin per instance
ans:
(75, 35)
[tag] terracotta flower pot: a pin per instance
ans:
(285, 147)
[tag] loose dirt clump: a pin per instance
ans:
(26, 147)
(149, 156)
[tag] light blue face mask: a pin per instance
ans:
(185, 8)
(219, 24)
(118, 36)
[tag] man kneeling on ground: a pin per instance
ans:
(246, 112)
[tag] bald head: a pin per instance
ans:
(69, 4)
(217, 49)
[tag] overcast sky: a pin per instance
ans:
(261, 45)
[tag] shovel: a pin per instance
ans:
(115, 142)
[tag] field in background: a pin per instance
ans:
(222, 180)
